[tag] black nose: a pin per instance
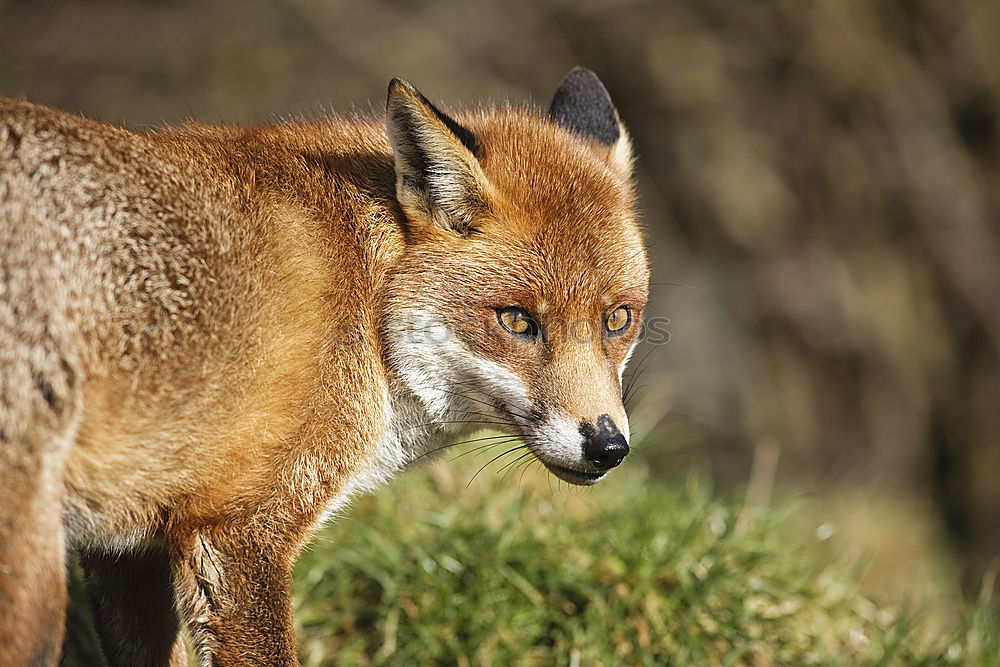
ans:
(603, 446)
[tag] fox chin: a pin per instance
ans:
(212, 337)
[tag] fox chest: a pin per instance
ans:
(405, 439)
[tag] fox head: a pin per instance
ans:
(519, 297)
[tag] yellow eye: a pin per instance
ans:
(619, 320)
(517, 321)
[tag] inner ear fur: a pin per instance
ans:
(437, 172)
(582, 105)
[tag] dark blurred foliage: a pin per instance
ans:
(819, 181)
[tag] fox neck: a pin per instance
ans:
(411, 432)
(408, 435)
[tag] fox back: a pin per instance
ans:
(212, 337)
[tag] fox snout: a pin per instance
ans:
(604, 446)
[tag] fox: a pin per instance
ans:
(212, 337)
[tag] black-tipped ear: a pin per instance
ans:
(582, 105)
(437, 173)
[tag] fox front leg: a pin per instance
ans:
(39, 408)
(235, 596)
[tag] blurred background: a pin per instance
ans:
(819, 182)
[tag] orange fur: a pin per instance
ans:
(199, 327)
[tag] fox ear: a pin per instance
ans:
(437, 173)
(582, 105)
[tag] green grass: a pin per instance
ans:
(528, 571)
(629, 572)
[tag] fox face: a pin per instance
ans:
(520, 295)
